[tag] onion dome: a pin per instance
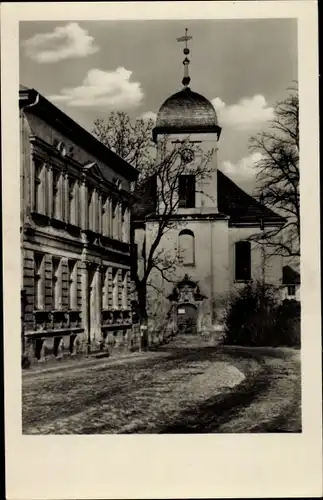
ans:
(186, 112)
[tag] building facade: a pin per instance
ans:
(291, 284)
(75, 236)
(209, 237)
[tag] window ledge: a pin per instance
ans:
(243, 281)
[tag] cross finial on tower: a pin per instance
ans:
(186, 79)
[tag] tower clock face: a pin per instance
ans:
(187, 155)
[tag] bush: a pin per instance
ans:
(25, 362)
(288, 323)
(253, 317)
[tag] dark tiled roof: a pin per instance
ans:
(290, 276)
(240, 206)
(186, 111)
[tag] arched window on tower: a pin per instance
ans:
(186, 250)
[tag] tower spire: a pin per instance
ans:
(186, 78)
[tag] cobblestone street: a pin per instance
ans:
(181, 388)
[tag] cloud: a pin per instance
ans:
(244, 171)
(149, 115)
(111, 89)
(248, 113)
(63, 42)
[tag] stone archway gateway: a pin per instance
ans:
(186, 299)
(186, 319)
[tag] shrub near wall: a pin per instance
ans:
(288, 323)
(254, 317)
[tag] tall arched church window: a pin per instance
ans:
(186, 245)
(243, 261)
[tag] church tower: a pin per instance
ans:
(190, 117)
(200, 233)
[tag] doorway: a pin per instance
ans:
(187, 319)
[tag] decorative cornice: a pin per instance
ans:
(186, 130)
(266, 222)
(107, 244)
(191, 216)
(60, 121)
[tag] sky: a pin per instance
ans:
(89, 69)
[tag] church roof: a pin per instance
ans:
(240, 206)
(290, 276)
(232, 201)
(186, 112)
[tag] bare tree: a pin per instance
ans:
(130, 140)
(165, 181)
(278, 175)
(156, 192)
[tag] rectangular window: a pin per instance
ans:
(72, 284)
(115, 221)
(74, 215)
(66, 198)
(71, 196)
(91, 209)
(103, 228)
(39, 187)
(186, 191)
(243, 261)
(291, 290)
(126, 225)
(125, 290)
(56, 195)
(39, 280)
(56, 283)
(115, 291)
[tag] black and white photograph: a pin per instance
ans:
(161, 239)
(160, 227)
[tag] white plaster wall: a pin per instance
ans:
(273, 264)
(211, 269)
(285, 296)
(206, 197)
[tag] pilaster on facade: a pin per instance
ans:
(85, 302)
(98, 332)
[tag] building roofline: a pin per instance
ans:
(291, 276)
(215, 129)
(42, 107)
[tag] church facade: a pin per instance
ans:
(209, 235)
(75, 236)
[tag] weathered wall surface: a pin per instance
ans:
(80, 296)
